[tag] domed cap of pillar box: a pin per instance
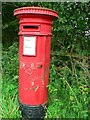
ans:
(36, 11)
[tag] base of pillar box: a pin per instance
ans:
(32, 112)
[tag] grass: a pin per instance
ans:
(68, 86)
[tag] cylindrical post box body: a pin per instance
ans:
(35, 27)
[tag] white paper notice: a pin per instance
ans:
(29, 47)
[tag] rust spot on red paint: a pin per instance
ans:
(46, 71)
(44, 58)
(33, 88)
(42, 78)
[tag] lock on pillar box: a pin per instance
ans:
(35, 31)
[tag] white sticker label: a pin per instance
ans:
(29, 45)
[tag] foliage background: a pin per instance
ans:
(70, 54)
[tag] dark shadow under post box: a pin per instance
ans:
(35, 31)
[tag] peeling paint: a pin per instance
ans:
(32, 83)
(22, 64)
(34, 88)
(39, 65)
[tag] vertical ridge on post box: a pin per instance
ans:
(29, 45)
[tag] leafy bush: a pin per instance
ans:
(9, 108)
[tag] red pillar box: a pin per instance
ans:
(35, 25)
